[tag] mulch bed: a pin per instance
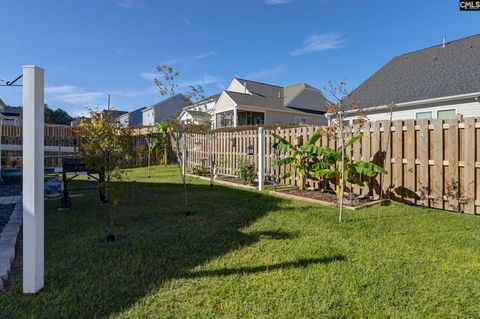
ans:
(327, 197)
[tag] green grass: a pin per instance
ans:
(244, 254)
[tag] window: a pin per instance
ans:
(300, 120)
(446, 114)
(423, 115)
(224, 119)
(250, 118)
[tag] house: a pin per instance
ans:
(10, 114)
(438, 82)
(134, 118)
(200, 112)
(80, 119)
(248, 102)
(115, 113)
(166, 109)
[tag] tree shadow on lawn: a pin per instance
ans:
(86, 277)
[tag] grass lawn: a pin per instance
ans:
(245, 254)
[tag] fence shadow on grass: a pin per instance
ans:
(301, 263)
(86, 277)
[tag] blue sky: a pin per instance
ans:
(90, 48)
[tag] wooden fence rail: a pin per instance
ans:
(59, 143)
(431, 163)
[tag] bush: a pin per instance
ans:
(201, 170)
(246, 171)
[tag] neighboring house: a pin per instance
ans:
(442, 82)
(76, 121)
(134, 118)
(166, 109)
(252, 103)
(10, 114)
(200, 112)
(115, 113)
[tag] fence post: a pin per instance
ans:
(261, 157)
(33, 188)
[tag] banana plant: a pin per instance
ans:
(301, 157)
(329, 166)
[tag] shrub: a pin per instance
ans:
(246, 171)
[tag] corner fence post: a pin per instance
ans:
(261, 158)
(33, 166)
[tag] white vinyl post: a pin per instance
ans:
(261, 157)
(33, 165)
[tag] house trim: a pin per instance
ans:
(414, 103)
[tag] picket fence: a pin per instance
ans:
(431, 163)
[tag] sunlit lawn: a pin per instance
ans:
(244, 254)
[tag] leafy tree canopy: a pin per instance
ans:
(57, 116)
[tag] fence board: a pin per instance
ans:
(438, 164)
(469, 169)
(423, 188)
(451, 178)
(398, 156)
(409, 192)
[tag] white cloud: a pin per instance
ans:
(128, 4)
(79, 98)
(277, 2)
(148, 76)
(62, 89)
(72, 94)
(190, 59)
(186, 20)
(204, 80)
(317, 43)
(266, 72)
(135, 93)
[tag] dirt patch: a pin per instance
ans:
(327, 197)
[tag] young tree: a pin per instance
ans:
(151, 139)
(167, 85)
(104, 146)
(339, 129)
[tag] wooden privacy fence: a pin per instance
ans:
(431, 163)
(59, 143)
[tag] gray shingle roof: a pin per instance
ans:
(265, 95)
(198, 114)
(428, 73)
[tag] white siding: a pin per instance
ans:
(236, 86)
(224, 103)
(148, 118)
(273, 117)
(124, 120)
(467, 109)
